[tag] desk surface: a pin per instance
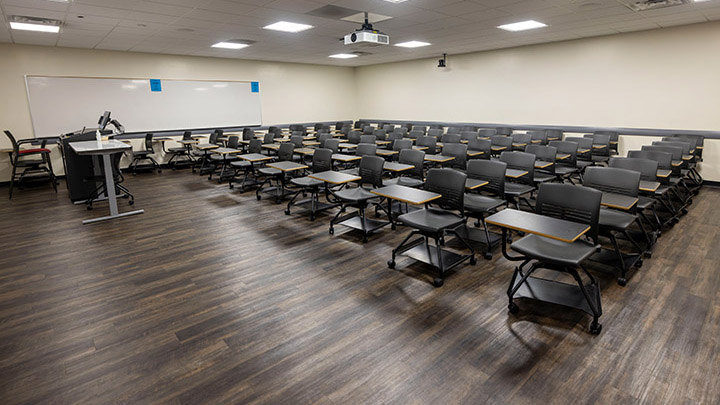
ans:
(472, 184)
(562, 156)
(396, 167)
(498, 148)
(515, 173)
(650, 186)
(420, 147)
(438, 158)
(272, 146)
(347, 146)
(104, 148)
(345, 158)
(305, 151)
(226, 151)
(549, 227)
(406, 194)
(287, 166)
(541, 164)
(618, 201)
(475, 152)
(664, 173)
(254, 157)
(207, 146)
(334, 177)
(385, 152)
(187, 141)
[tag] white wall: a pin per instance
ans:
(290, 92)
(665, 78)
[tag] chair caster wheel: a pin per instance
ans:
(232, 187)
(331, 231)
(622, 282)
(488, 256)
(259, 197)
(684, 211)
(159, 170)
(89, 208)
(438, 282)
(595, 328)
(312, 217)
(393, 227)
(131, 202)
(473, 260)
(648, 254)
(364, 239)
(514, 309)
(639, 263)
(391, 264)
(287, 212)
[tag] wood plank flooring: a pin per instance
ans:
(214, 297)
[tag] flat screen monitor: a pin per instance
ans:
(104, 120)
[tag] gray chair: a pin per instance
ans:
(436, 132)
(410, 178)
(538, 137)
(468, 135)
(380, 134)
(566, 168)
(520, 141)
(322, 161)
(570, 203)
(450, 138)
(435, 222)
(368, 130)
(146, 154)
(354, 137)
(646, 201)
(429, 142)
(487, 133)
(545, 154)
(523, 187)
(479, 206)
(368, 139)
(453, 130)
(459, 152)
(500, 143)
(270, 174)
(415, 134)
(503, 131)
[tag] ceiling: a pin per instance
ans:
(190, 27)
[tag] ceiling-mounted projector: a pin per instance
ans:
(367, 36)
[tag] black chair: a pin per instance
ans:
(181, 151)
(368, 139)
(450, 138)
(429, 142)
(436, 132)
(245, 167)
(614, 140)
(505, 131)
(667, 194)
(453, 130)
(518, 192)
(414, 134)
(520, 141)
(543, 155)
(354, 137)
(480, 145)
(322, 138)
(322, 161)
(469, 128)
(570, 203)
(414, 177)
(676, 179)
(270, 174)
(538, 137)
(501, 143)
(401, 130)
(145, 155)
(479, 206)
(368, 130)
(380, 134)
(435, 223)
(468, 136)
(370, 171)
(554, 135)
(584, 152)
(332, 144)
(487, 133)
(421, 128)
(32, 162)
(566, 168)
(223, 160)
(389, 128)
(459, 152)
(600, 147)
(394, 136)
(615, 222)
(646, 201)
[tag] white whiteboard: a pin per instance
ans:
(64, 104)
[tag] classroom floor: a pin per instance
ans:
(214, 297)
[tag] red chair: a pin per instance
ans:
(32, 161)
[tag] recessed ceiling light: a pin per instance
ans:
(285, 26)
(522, 26)
(413, 44)
(34, 27)
(395, 1)
(344, 56)
(230, 45)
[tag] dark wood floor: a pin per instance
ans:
(214, 297)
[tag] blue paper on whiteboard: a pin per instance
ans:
(255, 87)
(155, 85)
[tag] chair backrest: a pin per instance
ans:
(648, 168)
(149, 143)
(450, 184)
(612, 180)
(414, 134)
(501, 140)
(402, 130)
(322, 138)
(583, 143)
(699, 139)
(368, 130)
(435, 132)
(380, 134)
(394, 136)
(354, 137)
(285, 153)
(571, 203)
(684, 145)
(453, 130)
(268, 138)
(277, 132)
(366, 149)
(318, 126)
(248, 134)
(430, 142)
(401, 144)
(297, 133)
(543, 152)
(322, 160)
(187, 135)
(255, 146)
(492, 171)
(614, 135)
(415, 158)
(233, 142)
(371, 170)
(469, 128)
(468, 135)
(297, 140)
(691, 141)
(13, 141)
(566, 148)
(503, 131)
(450, 138)
(340, 124)
(482, 145)
(367, 139)
(600, 140)
(521, 161)
(487, 132)
(435, 126)
(523, 139)
(664, 159)
(213, 137)
(388, 128)
(539, 136)
(675, 151)
(332, 144)
(359, 125)
(421, 128)
(459, 152)
(554, 134)
(272, 128)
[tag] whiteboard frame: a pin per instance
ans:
(32, 121)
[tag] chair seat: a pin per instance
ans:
(481, 203)
(645, 203)
(565, 170)
(240, 164)
(404, 181)
(141, 153)
(615, 220)
(219, 158)
(431, 220)
(177, 150)
(269, 171)
(543, 177)
(600, 158)
(357, 194)
(554, 251)
(31, 151)
(517, 189)
(29, 162)
(584, 163)
(306, 182)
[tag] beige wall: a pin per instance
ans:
(290, 92)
